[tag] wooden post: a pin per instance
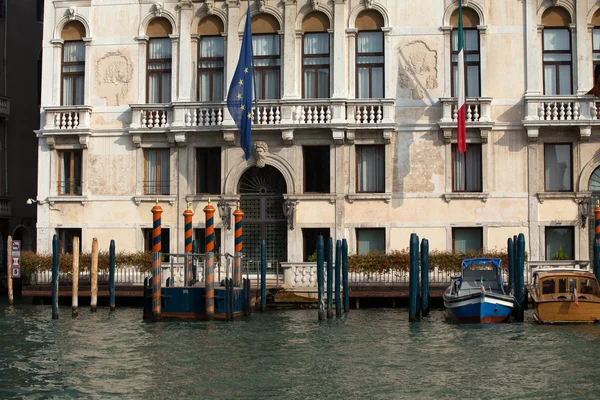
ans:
(209, 280)
(511, 265)
(330, 278)
(111, 275)
(94, 276)
(425, 277)
(75, 290)
(413, 278)
(9, 280)
(156, 262)
(55, 277)
(338, 276)
(345, 287)
(320, 276)
(520, 278)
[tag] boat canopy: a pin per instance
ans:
(467, 262)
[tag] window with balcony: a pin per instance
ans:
(69, 173)
(369, 56)
(470, 50)
(370, 169)
(211, 53)
(466, 169)
(267, 57)
(65, 239)
(200, 235)
(558, 162)
(315, 56)
(158, 62)
(208, 161)
(316, 169)
(370, 240)
(556, 48)
(157, 171)
(73, 64)
(467, 239)
(560, 243)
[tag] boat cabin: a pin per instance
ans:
(554, 285)
(479, 275)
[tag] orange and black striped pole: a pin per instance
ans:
(209, 233)
(156, 262)
(597, 240)
(239, 242)
(187, 221)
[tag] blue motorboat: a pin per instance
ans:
(478, 295)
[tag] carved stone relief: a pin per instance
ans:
(418, 70)
(114, 73)
(260, 152)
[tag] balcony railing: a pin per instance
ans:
(67, 117)
(478, 110)
(151, 116)
(157, 187)
(69, 187)
(4, 106)
(561, 109)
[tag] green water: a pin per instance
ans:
(369, 354)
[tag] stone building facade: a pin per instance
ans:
(354, 131)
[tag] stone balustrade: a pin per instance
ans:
(560, 108)
(478, 110)
(151, 116)
(67, 117)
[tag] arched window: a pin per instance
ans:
(596, 38)
(470, 50)
(267, 56)
(315, 56)
(369, 55)
(73, 64)
(556, 49)
(158, 63)
(211, 51)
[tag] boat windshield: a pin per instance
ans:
(566, 285)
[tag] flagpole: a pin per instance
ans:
(462, 115)
(253, 74)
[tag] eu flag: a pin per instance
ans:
(239, 97)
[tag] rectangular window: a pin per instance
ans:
(210, 68)
(560, 243)
(159, 71)
(370, 169)
(208, 161)
(315, 65)
(471, 59)
(165, 241)
(309, 241)
(467, 239)
(267, 66)
(69, 172)
(557, 167)
(316, 169)
(369, 65)
(466, 169)
(548, 286)
(557, 61)
(157, 172)
(370, 240)
(73, 73)
(65, 239)
(201, 239)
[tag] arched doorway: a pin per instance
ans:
(261, 196)
(22, 234)
(594, 187)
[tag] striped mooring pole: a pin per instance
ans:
(209, 235)
(54, 277)
(111, 275)
(156, 262)
(239, 244)
(187, 223)
(596, 247)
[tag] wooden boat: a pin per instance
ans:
(477, 295)
(564, 295)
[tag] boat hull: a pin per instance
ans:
(479, 308)
(564, 311)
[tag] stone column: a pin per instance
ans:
(351, 34)
(174, 66)
(339, 59)
(141, 95)
(232, 50)
(532, 44)
(534, 153)
(288, 65)
(185, 51)
(388, 92)
(57, 45)
(583, 56)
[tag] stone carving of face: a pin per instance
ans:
(260, 151)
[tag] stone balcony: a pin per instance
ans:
(578, 111)
(5, 207)
(479, 116)
(4, 107)
(284, 116)
(66, 122)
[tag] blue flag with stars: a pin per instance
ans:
(239, 97)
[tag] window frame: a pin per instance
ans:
(465, 228)
(453, 64)
(159, 184)
(357, 233)
(159, 72)
(370, 66)
(316, 67)
(72, 168)
(63, 247)
(64, 74)
(262, 70)
(211, 71)
(556, 64)
(570, 228)
(571, 165)
(453, 150)
(357, 178)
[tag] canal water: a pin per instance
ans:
(368, 354)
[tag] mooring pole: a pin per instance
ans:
(94, 276)
(209, 212)
(239, 243)
(414, 278)
(320, 275)
(511, 265)
(111, 275)
(597, 239)
(338, 273)
(330, 278)
(9, 281)
(75, 289)
(520, 278)
(346, 289)
(55, 277)
(424, 277)
(156, 262)
(187, 223)
(263, 275)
